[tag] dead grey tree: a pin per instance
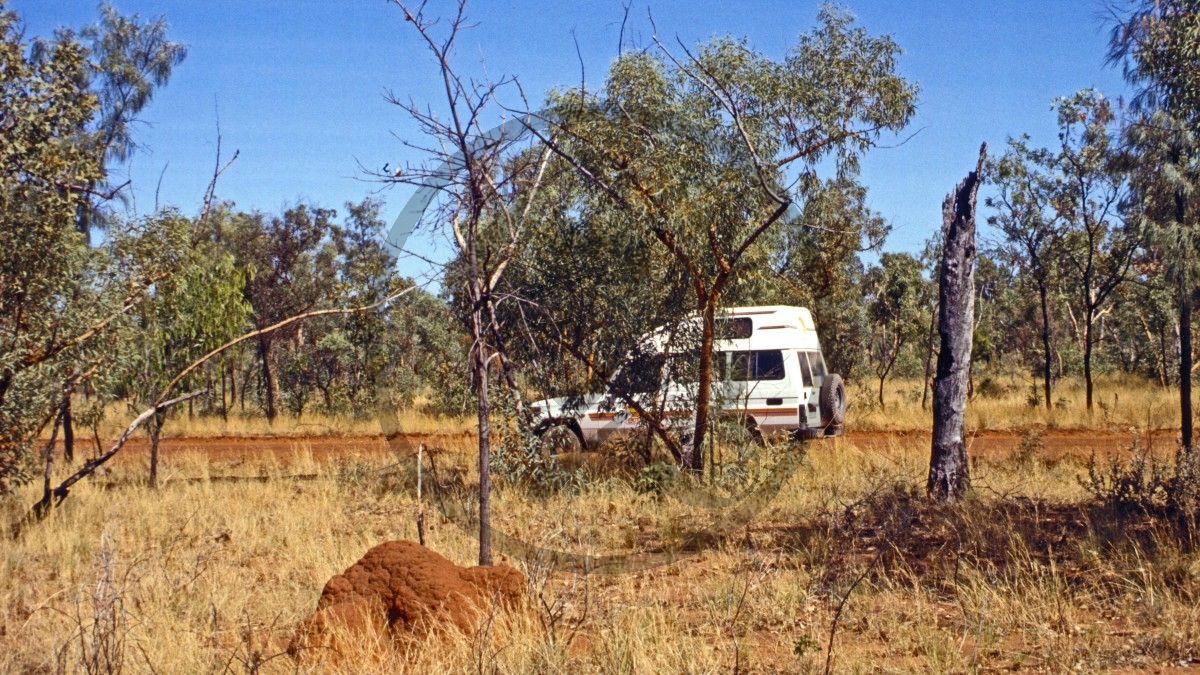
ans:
(949, 472)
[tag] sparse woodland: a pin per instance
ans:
(690, 179)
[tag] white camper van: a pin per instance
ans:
(769, 375)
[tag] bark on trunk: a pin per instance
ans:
(484, 413)
(269, 384)
(949, 471)
(68, 425)
(233, 388)
(1089, 385)
(704, 389)
(1185, 367)
(1047, 353)
(485, 488)
(156, 425)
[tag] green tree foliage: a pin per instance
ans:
(897, 298)
(695, 154)
(1062, 214)
(1100, 243)
(57, 296)
(1024, 215)
(290, 263)
(196, 309)
(816, 257)
(1157, 43)
(586, 286)
(128, 61)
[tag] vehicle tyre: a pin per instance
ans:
(737, 432)
(833, 401)
(559, 437)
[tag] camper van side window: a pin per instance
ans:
(758, 365)
(805, 371)
(768, 365)
(737, 328)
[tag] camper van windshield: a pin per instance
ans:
(640, 374)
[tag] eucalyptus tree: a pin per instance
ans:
(701, 153)
(60, 298)
(129, 60)
(817, 264)
(1156, 42)
(41, 256)
(1033, 242)
(585, 287)
(289, 260)
(194, 310)
(1090, 202)
(897, 296)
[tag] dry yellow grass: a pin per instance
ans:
(1119, 403)
(207, 576)
(412, 420)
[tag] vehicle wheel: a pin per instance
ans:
(737, 433)
(833, 400)
(560, 437)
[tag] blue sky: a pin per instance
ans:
(298, 86)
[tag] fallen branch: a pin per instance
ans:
(54, 496)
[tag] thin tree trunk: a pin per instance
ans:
(233, 387)
(155, 430)
(484, 412)
(933, 317)
(949, 470)
(49, 472)
(1047, 363)
(695, 461)
(68, 425)
(884, 370)
(59, 492)
(1185, 366)
(1087, 358)
(269, 385)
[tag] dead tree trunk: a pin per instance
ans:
(949, 472)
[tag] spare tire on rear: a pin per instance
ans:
(833, 401)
